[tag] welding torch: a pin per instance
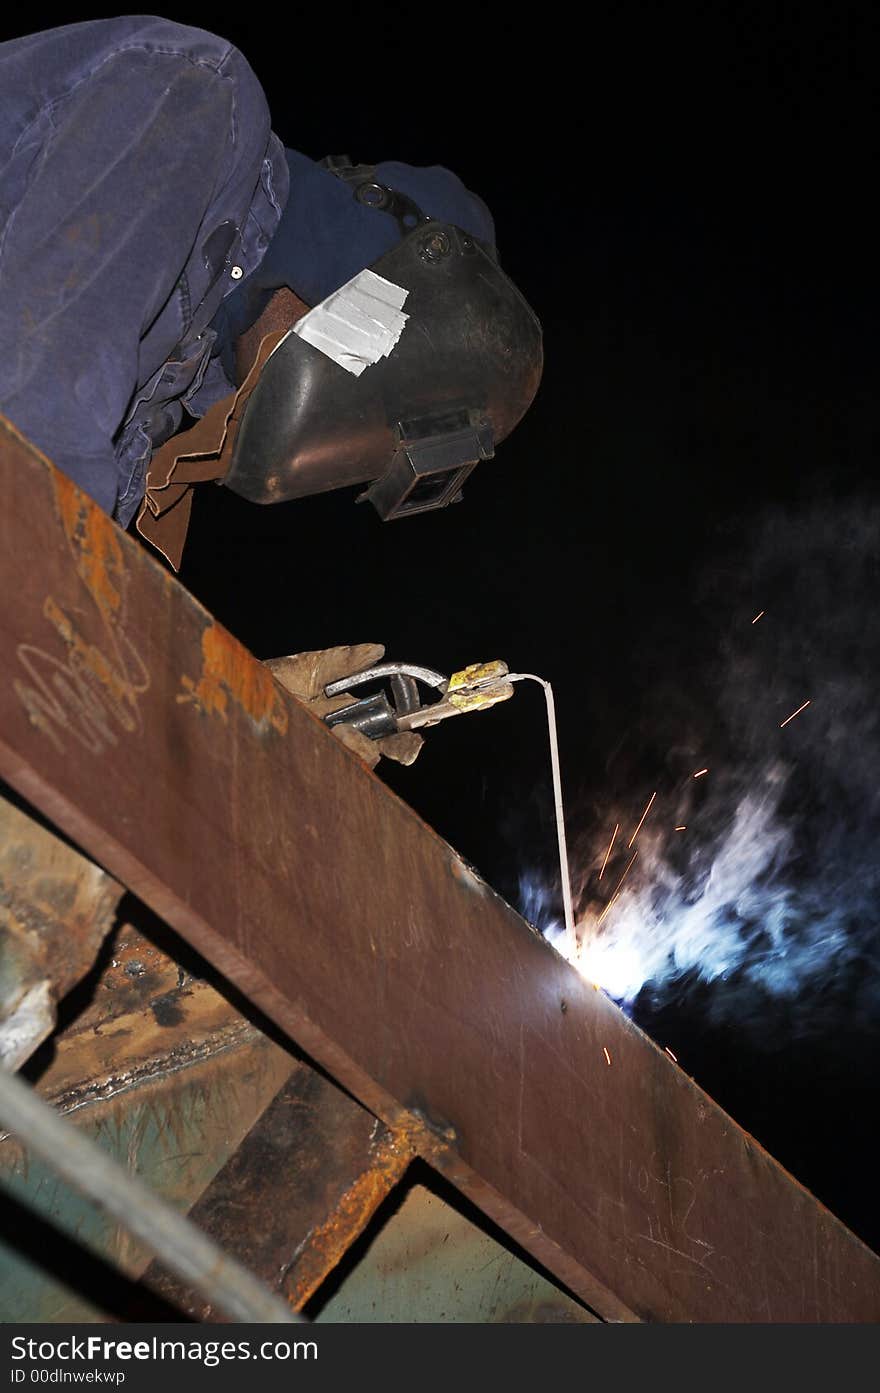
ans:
(474, 688)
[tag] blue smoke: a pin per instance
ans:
(772, 893)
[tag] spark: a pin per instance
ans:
(682, 828)
(671, 1055)
(611, 901)
(617, 889)
(609, 905)
(608, 852)
(641, 820)
(606, 1054)
(758, 616)
(794, 713)
(700, 772)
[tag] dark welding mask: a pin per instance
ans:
(413, 424)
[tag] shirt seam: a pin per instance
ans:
(48, 108)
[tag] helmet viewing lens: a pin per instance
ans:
(435, 456)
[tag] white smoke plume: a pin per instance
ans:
(771, 892)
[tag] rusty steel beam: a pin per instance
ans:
(146, 732)
(314, 1167)
(296, 1194)
(147, 1024)
(167, 1078)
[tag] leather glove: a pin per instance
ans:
(307, 674)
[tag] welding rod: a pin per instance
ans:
(567, 907)
(174, 1239)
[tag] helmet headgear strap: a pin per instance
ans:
(361, 178)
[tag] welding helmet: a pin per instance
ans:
(415, 421)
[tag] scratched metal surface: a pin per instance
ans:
(159, 744)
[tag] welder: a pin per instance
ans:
(183, 299)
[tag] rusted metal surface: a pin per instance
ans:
(297, 1193)
(147, 1019)
(262, 840)
(168, 1078)
(55, 909)
(329, 1241)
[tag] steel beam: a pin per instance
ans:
(166, 1077)
(306, 1179)
(296, 1194)
(153, 739)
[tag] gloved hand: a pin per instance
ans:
(307, 674)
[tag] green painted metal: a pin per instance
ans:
(175, 1133)
(428, 1262)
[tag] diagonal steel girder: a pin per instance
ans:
(150, 736)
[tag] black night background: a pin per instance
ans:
(690, 212)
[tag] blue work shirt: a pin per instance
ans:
(140, 186)
(140, 182)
